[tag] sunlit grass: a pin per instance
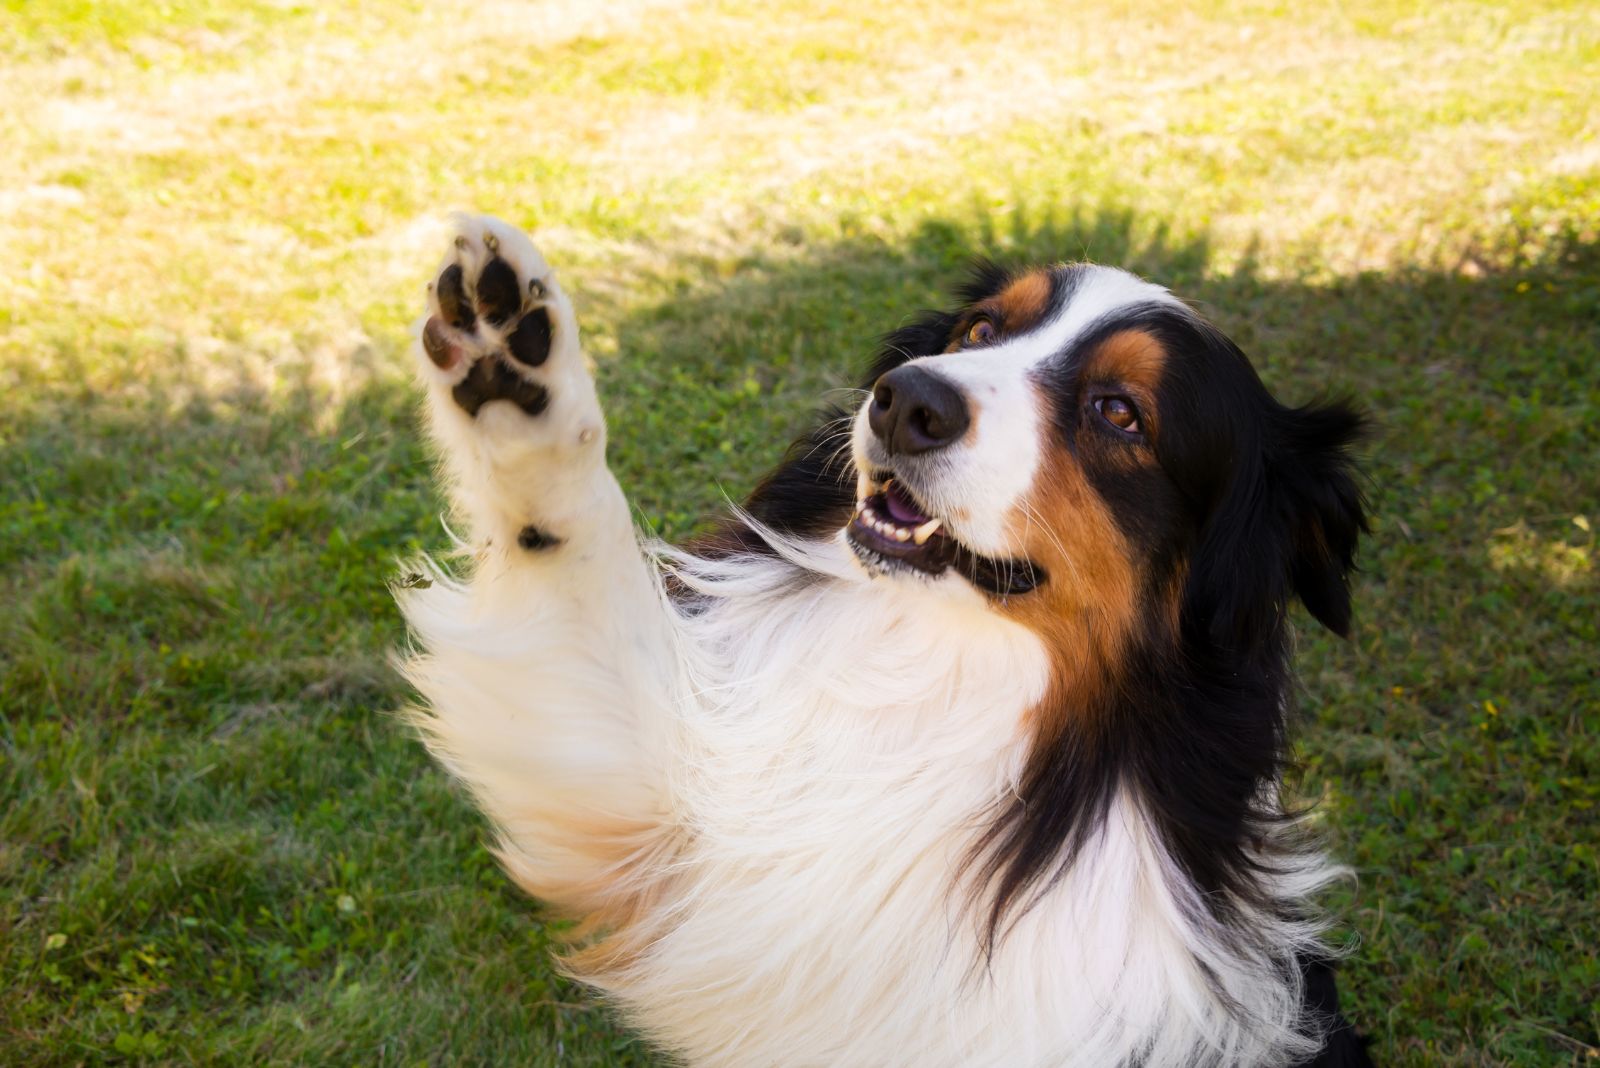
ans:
(217, 219)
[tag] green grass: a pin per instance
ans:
(217, 846)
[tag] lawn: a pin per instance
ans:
(218, 844)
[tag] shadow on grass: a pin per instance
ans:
(243, 862)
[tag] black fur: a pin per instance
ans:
(929, 332)
(812, 492)
(1343, 1048)
(533, 539)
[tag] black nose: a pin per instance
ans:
(914, 410)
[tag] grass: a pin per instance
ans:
(216, 846)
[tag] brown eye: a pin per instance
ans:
(981, 332)
(1119, 412)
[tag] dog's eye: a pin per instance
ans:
(1119, 412)
(981, 332)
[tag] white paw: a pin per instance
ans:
(498, 326)
(511, 403)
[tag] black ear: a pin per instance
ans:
(1327, 512)
(1286, 524)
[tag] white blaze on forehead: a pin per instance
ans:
(1099, 292)
(973, 482)
(976, 483)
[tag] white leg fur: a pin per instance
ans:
(545, 672)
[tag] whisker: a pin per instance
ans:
(1028, 511)
(843, 430)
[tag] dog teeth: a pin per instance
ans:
(867, 517)
(866, 489)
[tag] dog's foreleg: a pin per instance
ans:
(547, 676)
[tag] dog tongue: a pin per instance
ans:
(901, 510)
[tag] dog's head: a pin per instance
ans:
(1084, 448)
(1106, 468)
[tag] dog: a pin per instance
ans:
(960, 742)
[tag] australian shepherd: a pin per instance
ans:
(960, 742)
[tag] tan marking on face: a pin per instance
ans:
(1016, 309)
(1086, 610)
(1023, 303)
(1133, 361)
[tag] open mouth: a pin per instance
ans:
(892, 531)
(891, 524)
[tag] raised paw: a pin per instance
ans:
(495, 315)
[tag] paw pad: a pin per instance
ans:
(473, 311)
(499, 296)
(490, 380)
(529, 343)
(453, 304)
